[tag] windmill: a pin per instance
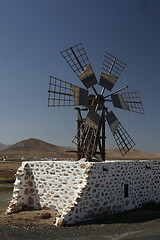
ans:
(90, 136)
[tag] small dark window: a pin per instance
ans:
(125, 190)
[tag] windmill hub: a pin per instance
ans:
(95, 100)
(100, 99)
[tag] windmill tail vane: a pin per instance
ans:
(90, 136)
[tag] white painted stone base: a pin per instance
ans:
(84, 191)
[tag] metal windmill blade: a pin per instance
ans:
(112, 67)
(77, 59)
(92, 119)
(80, 96)
(122, 138)
(130, 101)
(62, 93)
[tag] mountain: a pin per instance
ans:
(36, 148)
(3, 146)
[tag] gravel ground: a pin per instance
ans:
(146, 231)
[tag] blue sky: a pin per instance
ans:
(33, 32)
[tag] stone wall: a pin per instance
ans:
(83, 191)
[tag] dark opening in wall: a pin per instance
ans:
(125, 190)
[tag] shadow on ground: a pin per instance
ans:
(149, 212)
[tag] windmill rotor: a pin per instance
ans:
(90, 136)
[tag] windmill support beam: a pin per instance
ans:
(100, 140)
(79, 122)
(103, 136)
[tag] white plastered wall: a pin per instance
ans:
(83, 191)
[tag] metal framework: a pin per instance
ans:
(133, 102)
(122, 138)
(76, 57)
(130, 101)
(112, 65)
(112, 68)
(60, 93)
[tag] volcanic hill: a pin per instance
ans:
(36, 148)
(132, 154)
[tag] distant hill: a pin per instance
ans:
(3, 146)
(132, 154)
(36, 148)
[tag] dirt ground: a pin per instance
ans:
(8, 169)
(27, 218)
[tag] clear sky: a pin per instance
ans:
(33, 32)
